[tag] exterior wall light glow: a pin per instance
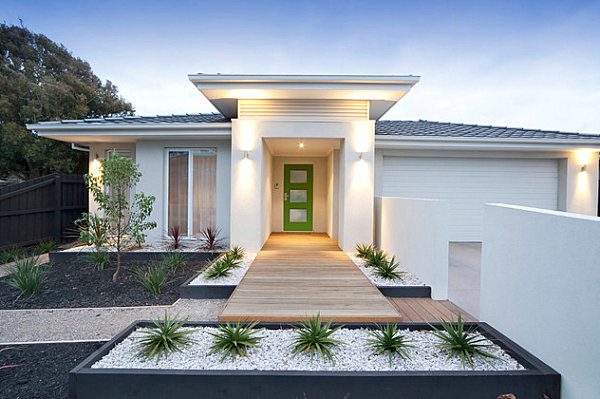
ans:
(360, 155)
(246, 154)
(301, 145)
(583, 168)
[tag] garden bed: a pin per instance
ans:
(135, 255)
(45, 370)
(111, 371)
(75, 284)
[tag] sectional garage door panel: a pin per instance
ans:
(469, 183)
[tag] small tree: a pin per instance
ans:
(126, 221)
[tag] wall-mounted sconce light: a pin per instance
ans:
(246, 154)
(360, 155)
(583, 168)
(301, 145)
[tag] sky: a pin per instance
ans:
(533, 64)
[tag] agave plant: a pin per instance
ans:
(389, 340)
(165, 338)
(387, 269)
(376, 258)
(364, 251)
(219, 268)
(463, 343)
(235, 339)
(313, 336)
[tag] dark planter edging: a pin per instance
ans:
(132, 256)
(204, 291)
(537, 380)
(406, 291)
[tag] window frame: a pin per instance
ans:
(190, 187)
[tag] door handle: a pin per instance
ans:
(285, 196)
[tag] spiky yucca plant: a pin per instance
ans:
(376, 258)
(387, 269)
(235, 339)
(212, 239)
(165, 338)
(463, 343)
(389, 340)
(237, 252)
(313, 336)
(175, 236)
(364, 251)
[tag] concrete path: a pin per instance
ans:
(464, 275)
(93, 324)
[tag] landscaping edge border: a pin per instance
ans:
(213, 291)
(132, 256)
(537, 380)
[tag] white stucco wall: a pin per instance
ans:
(540, 279)
(416, 232)
(152, 158)
(320, 209)
(267, 197)
(332, 193)
(356, 176)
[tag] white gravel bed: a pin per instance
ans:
(407, 279)
(158, 246)
(274, 354)
(234, 277)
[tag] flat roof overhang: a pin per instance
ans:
(382, 91)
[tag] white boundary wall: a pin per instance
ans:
(540, 285)
(416, 232)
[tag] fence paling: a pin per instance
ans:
(40, 209)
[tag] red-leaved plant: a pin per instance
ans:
(175, 235)
(212, 241)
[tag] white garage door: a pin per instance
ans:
(467, 184)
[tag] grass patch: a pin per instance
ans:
(153, 277)
(27, 276)
(98, 258)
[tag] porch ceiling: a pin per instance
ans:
(296, 147)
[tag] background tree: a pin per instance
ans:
(41, 80)
(125, 221)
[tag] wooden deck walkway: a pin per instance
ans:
(295, 276)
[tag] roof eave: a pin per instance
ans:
(41, 127)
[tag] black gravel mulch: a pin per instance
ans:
(45, 370)
(78, 285)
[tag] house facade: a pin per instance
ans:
(310, 153)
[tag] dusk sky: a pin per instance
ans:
(523, 64)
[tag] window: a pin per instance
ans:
(192, 175)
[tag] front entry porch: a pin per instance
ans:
(297, 275)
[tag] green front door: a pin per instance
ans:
(297, 197)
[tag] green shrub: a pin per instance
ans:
(364, 251)
(235, 339)
(387, 269)
(174, 260)
(218, 269)
(463, 343)
(376, 258)
(313, 336)
(11, 254)
(92, 230)
(98, 258)
(27, 276)
(388, 340)
(236, 252)
(165, 338)
(45, 246)
(153, 277)
(230, 260)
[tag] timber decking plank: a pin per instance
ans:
(295, 276)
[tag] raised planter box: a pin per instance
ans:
(536, 381)
(406, 291)
(131, 256)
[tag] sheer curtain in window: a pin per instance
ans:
(178, 190)
(205, 190)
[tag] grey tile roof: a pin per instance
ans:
(130, 120)
(422, 128)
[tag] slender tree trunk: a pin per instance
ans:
(118, 236)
